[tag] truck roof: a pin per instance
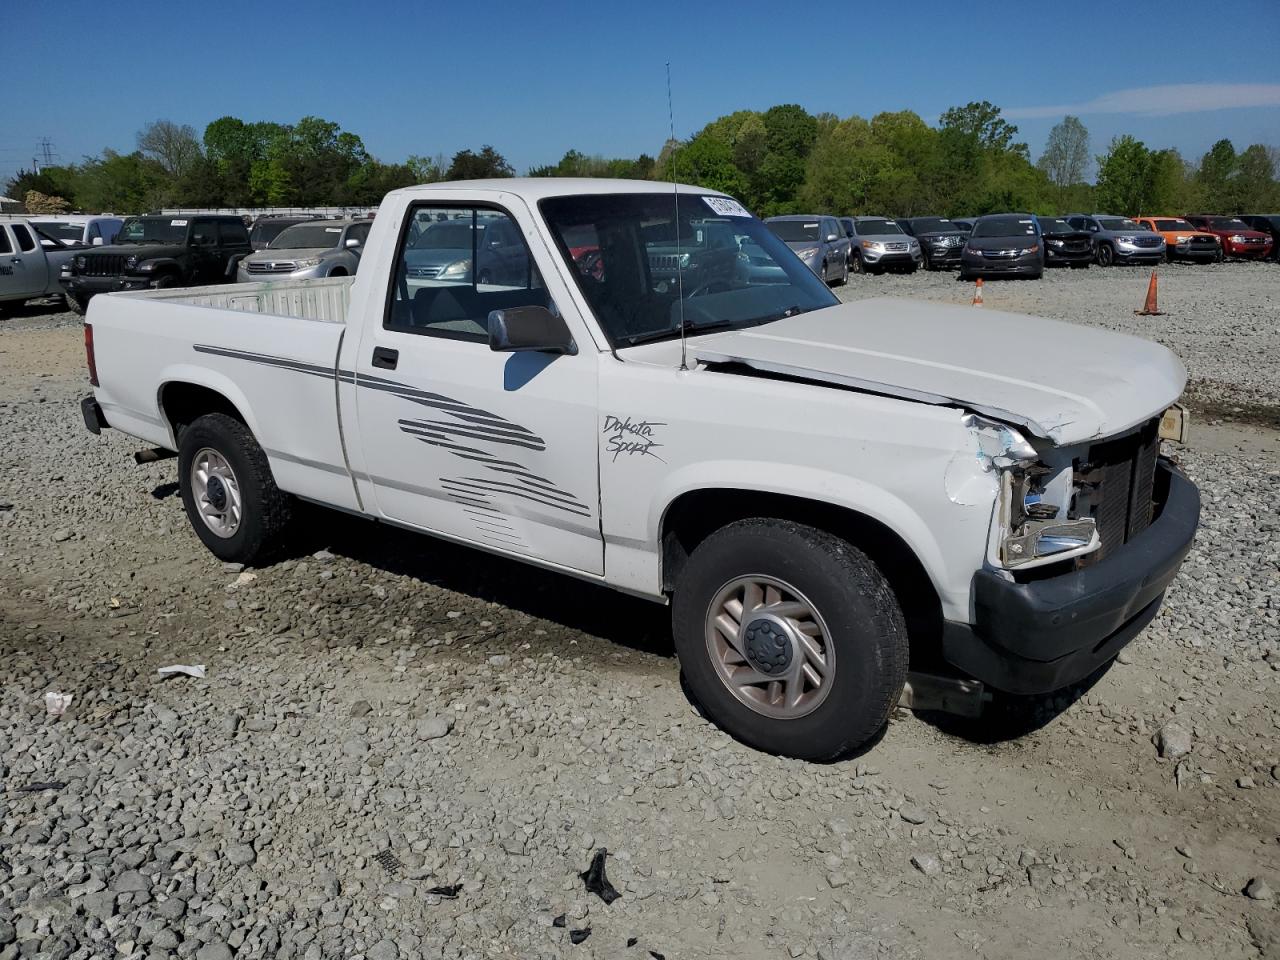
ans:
(537, 188)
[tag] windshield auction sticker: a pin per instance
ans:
(726, 207)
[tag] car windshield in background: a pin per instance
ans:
(641, 277)
(306, 235)
(875, 228)
(445, 235)
(1228, 223)
(1004, 227)
(1173, 225)
(65, 232)
(933, 225)
(794, 231)
(153, 230)
(1118, 223)
(1054, 225)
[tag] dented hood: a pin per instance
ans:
(1063, 382)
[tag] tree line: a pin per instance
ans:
(780, 160)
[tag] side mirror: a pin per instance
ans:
(832, 237)
(529, 329)
(97, 241)
(353, 242)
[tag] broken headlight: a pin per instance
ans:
(1033, 523)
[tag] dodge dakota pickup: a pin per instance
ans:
(825, 494)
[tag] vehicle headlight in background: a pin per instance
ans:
(131, 262)
(1034, 248)
(459, 268)
(1126, 239)
(1054, 243)
(1032, 523)
(872, 245)
(308, 262)
(1237, 238)
(808, 253)
(80, 262)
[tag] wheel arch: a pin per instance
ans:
(184, 396)
(697, 513)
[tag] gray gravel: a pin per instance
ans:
(385, 717)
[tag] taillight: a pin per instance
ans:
(88, 354)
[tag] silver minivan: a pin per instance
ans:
(817, 240)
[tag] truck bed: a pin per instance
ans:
(323, 300)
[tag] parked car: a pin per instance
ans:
(157, 252)
(1238, 239)
(317, 248)
(1182, 241)
(443, 249)
(78, 230)
(30, 262)
(813, 486)
(817, 240)
(1064, 245)
(940, 240)
(266, 229)
(879, 244)
(1003, 244)
(1268, 223)
(1119, 239)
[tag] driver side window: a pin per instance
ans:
(453, 266)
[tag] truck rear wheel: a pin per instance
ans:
(77, 305)
(790, 639)
(231, 498)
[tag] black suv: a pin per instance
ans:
(1268, 223)
(941, 240)
(154, 252)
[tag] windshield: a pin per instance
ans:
(724, 269)
(933, 225)
(1118, 223)
(1173, 225)
(306, 235)
(1004, 227)
(445, 235)
(152, 230)
(66, 232)
(1055, 225)
(1227, 223)
(265, 231)
(794, 231)
(873, 228)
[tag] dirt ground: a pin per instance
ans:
(492, 725)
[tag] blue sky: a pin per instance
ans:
(536, 78)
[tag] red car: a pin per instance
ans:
(1238, 238)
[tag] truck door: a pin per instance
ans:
(24, 271)
(496, 449)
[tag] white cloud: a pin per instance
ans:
(1162, 100)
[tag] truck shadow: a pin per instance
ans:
(575, 604)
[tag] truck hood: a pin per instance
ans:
(143, 251)
(1062, 382)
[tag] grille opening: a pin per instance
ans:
(1117, 486)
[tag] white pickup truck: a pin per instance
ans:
(641, 386)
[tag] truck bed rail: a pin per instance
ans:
(324, 300)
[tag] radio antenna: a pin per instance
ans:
(675, 196)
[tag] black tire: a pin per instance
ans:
(864, 623)
(1106, 255)
(1219, 257)
(338, 272)
(265, 509)
(857, 265)
(164, 282)
(924, 261)
(76, 305)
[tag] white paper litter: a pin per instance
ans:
(196, 670)
(55, 704)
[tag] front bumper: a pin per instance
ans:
(1040, 636)
(1251, 251)
(306, 273)
(1027, 264)
(944, 256)
(896, 258)
(88, 286)
(1053, 256)
(95, 421)
(1130, 254)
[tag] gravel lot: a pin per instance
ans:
(385, 718)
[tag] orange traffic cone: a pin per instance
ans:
(1149, 308)
(977, 293)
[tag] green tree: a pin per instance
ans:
(1216, 177)
(173, 146)
(469, 165)
(1255, 181)
(982, 122)
(1124, 177)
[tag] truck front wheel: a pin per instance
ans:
(789, 638)
(231, 498)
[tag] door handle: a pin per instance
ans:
(385, 357)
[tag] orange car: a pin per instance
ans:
(1182, 240)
